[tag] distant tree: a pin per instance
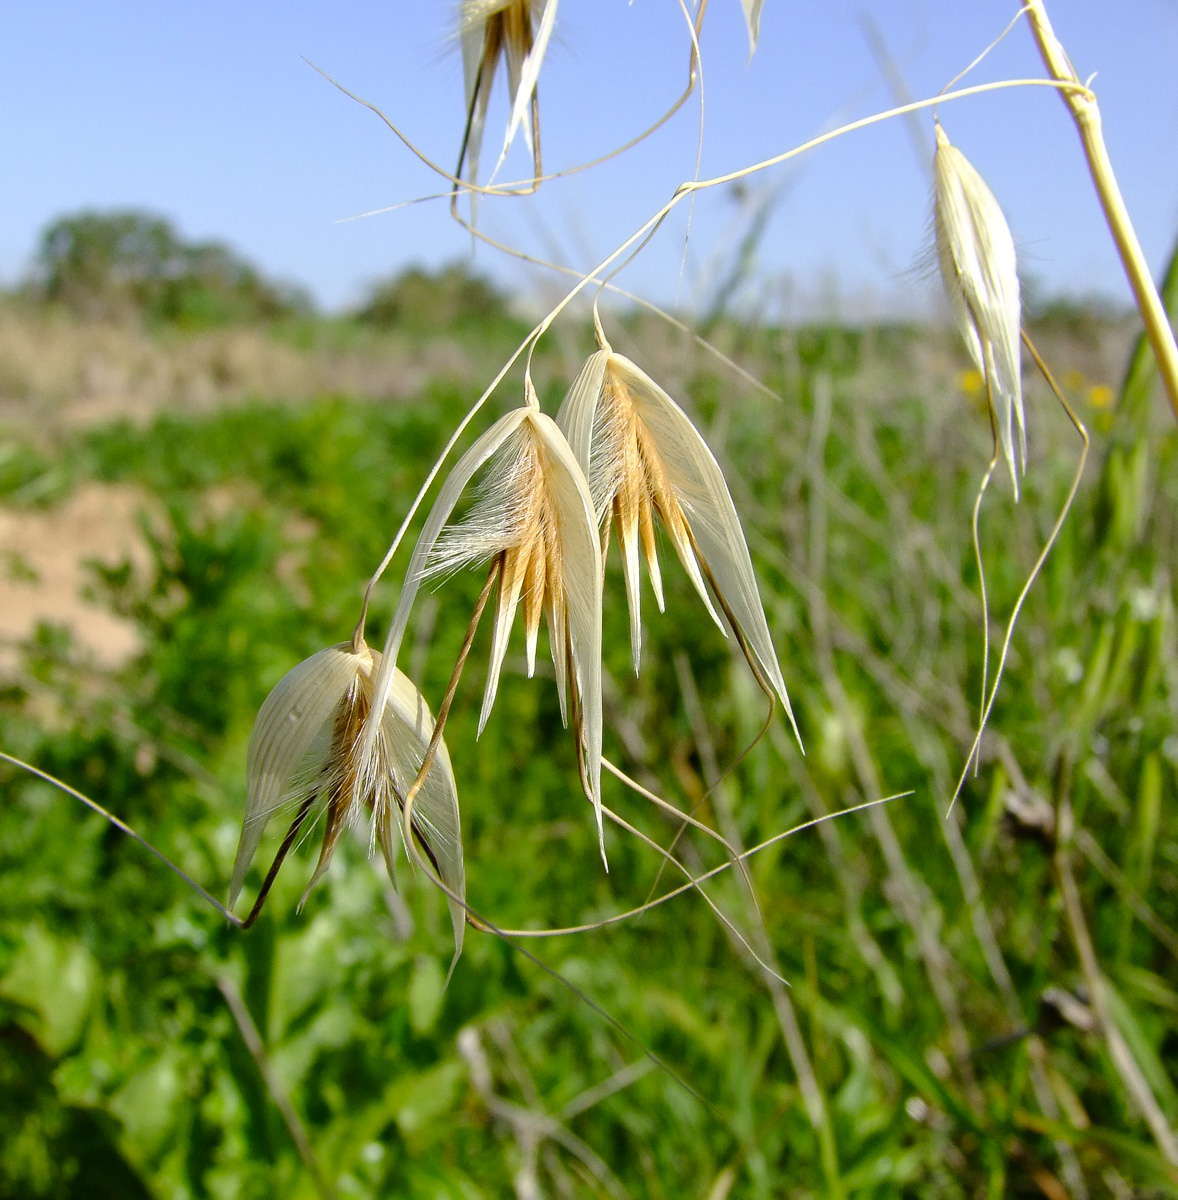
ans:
(123, 263)
(421, 300)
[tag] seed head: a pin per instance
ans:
(534, 522)
(975, 252)
(517, 31)
(645, 461)
(752, 18)
(305, 749)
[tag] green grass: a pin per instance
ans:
(123, 1067)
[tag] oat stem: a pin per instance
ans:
(977, 550)
(1081, 103)
(495, 573)
(1052, 538)
(122, 827)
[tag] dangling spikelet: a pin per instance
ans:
(975, 252)
(534, 522)
(646, 460)
(517, 31)
(305, 747)
(752, 18)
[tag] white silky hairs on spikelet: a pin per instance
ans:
(519, 31)
(305, 748)
(645, 459)
(534, 517)
(975, 252)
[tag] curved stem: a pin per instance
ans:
(451, 688)
(123, 827)
(279, 858)
(1079, 426)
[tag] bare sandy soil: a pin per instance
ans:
(45, 576)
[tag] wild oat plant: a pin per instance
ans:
(967, 988)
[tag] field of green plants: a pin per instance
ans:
(984, 1004)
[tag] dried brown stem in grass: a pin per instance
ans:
(532, 1127)
(1085, 112)
(719, 776)
(908, 894)
(495, 573)
(1122, 1057)
(812, 1095)
(1090, 848)
(279, 858)
(253, 1043)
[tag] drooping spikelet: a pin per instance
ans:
(646, 460)
(752, 18)
(534, 522)
(305, 748)
(975, 252)
(518, 32)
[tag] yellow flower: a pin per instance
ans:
(1101, 396)
(646, 460)
(534, 523)
(975, 252)
(305, 749)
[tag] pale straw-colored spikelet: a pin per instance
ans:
(975, 252)
(534, 523)
(752, 18)
(518, 32)
(646, 461)
(305, 748)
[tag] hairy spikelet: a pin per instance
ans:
(307, 746)
(975, 253)
(534, 520)
(648, 464)
(516, 32)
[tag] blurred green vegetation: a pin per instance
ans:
(115, 264)
(124, 1070)
(132, 264)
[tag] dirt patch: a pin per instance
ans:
(45, 574)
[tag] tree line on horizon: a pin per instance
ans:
(135, 265)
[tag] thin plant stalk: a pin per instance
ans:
(526, 187)
(253, 1043)
(122, 827)
(644, 231)
(1122, 1057)
(1092, 851)
(977, 550)
(910, 896)
(1080, 428)
(812, 1094)
(1085, 111)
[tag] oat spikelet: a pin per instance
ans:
(534, 520)
(975, 252)
(518, 32)
(646, 462)
(306, 748)
(752, 18)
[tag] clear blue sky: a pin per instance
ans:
(206, 112)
